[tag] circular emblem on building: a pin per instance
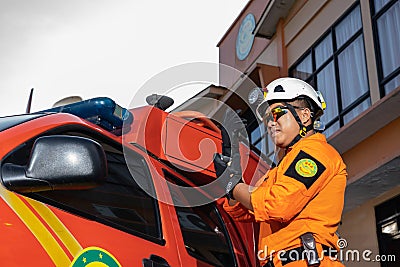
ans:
(306, 168)
(94, 257)
(245, 37)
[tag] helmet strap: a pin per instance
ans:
(303, 129)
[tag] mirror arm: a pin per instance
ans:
(14, 178)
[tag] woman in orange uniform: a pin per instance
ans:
(299, 202)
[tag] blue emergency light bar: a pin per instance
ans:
(101, 111)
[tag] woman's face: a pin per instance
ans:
(281, 124)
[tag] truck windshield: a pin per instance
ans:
(11, 121)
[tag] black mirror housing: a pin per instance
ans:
(58, 162)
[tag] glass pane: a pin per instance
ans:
(271, 156)
(311, 82)
(389, 39)
(120, 202)
(304, 69)
(259, 146)
(393, 84)
(262, 145)
(378, 4)
(323, 51)
(352, 72)
(327, 86)
(271, 145)
(388, 222)
(357, 110)
(348, 27)
(204, 235)
(203, 232)
(255, 138)
(387, 209)
(255, 135)
(332, 129)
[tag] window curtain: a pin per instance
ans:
(379, 4)
(327, 86)
(389, 39)
(393, 84)
(352, 72)
(323, 51)
(357, 110)
(331, 130)
(348, 27)
(304, 69)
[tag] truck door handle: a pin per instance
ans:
(155, 261)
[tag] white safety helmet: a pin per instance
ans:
(287, 89)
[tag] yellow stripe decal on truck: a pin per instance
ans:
(58, 227)
(50, 245)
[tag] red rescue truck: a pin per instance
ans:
(94, 184)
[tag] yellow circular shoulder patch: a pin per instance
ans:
(94, 257)
(306, 168)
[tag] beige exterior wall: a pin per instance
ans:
(359, 229)
(227, 46)
(373, 152)
(298, 21)
(270, 55)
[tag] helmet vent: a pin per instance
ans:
(279, 88)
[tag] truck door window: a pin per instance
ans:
(203, 231)
(119, 202)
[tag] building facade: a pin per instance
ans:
(348, 50)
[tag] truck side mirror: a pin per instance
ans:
(58, 162)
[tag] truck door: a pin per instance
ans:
(116, 224)
(204, 238)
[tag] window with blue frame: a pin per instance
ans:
(386, 26)
(336, 66)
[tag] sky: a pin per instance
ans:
(93, 48)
